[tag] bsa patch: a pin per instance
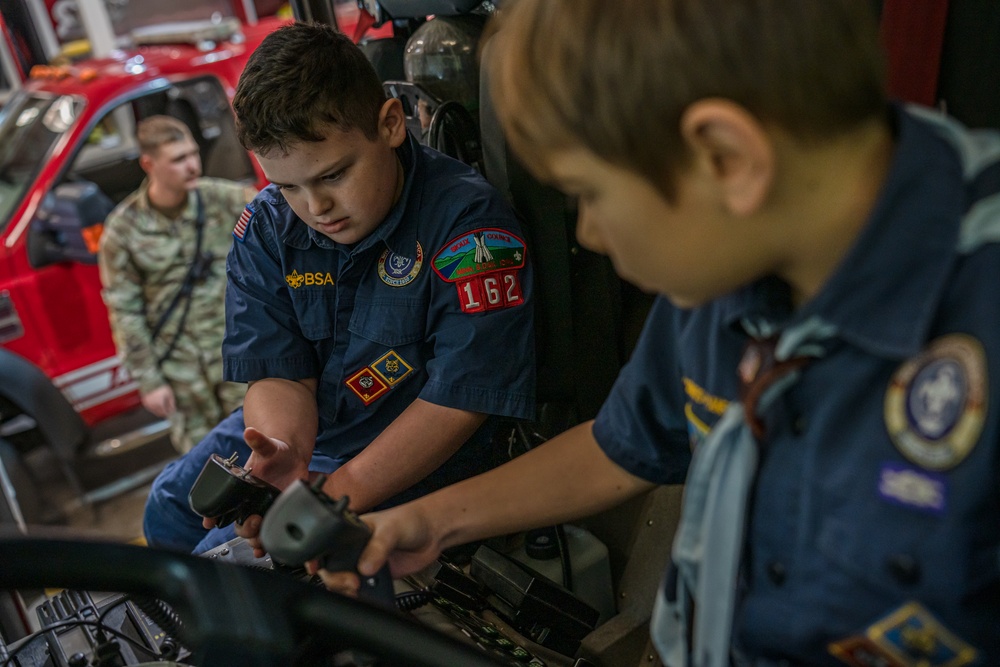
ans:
(392, 368)
(396, 270)
(240, 230)
(478, 252)
(936, 402)
(909, 636)
(296, 280)
(367, 385)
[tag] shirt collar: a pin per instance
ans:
(885, 291)
(399, 238)
(154, 217)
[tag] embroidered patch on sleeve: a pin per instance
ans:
(477, 252)
(367, 385)
(240, 230)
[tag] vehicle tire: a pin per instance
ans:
(25, 490)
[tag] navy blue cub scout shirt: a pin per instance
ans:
(434, 304)
(874, 529)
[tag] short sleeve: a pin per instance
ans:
(641, 426)
(481, 323)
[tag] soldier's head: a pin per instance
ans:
(168, 154)
(310, 106)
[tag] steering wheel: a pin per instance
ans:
(232, 615)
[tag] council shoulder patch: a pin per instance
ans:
(240, 230)
(935, 404)
(477, 252)
(484, 265)
(398, 271)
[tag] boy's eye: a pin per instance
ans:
(335, 176)
(286, 188)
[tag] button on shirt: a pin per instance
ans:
(377, 323)
(859, 505)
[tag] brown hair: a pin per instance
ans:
(616, 77)
(155, 131)
(300, 80)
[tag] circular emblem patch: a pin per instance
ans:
(936, 403)
(396, 270)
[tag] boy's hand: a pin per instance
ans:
(401, 536)
(273, 461)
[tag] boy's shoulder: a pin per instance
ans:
(445, 182)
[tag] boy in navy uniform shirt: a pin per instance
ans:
(819, 362)
(378, 302)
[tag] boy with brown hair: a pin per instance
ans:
(823, 344)
(379, 300)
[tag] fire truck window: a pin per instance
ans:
(203, 105)
(110, 155)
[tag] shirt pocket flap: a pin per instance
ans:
(389, 322)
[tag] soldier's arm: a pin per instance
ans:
(123, 294)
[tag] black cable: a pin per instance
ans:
(411, 600)
(564, 557)
(30, 639)
(161, 614)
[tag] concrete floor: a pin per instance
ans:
(115, 513)
(117, 519)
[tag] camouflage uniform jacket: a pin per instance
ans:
(144, 257)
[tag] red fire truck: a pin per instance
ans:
(67, 153)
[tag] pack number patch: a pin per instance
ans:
(494, 290)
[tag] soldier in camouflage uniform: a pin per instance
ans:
(171, 342)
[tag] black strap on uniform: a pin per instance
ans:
(187, 287)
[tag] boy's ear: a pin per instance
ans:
(145, 162)
(392, 122)
(732, 145)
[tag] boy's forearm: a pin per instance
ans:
(413, 446)
(285, 410)
(565, 478)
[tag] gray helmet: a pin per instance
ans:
(441, 57)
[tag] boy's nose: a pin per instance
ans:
(318, 204)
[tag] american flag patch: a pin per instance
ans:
(241, 225)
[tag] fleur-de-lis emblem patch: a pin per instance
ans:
(295, 279)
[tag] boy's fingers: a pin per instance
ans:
(345, 583)
(250, 528)
(258, 442)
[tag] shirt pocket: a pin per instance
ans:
(389, 322)
(316, 312)
(892, 549)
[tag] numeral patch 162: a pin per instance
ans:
(499, 289)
